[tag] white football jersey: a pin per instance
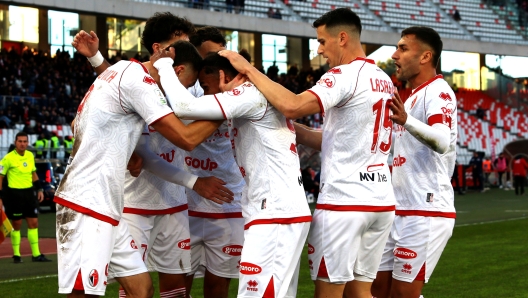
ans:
(356, 138)
(265, 151)
(150, 195)
(109, 122)
(421, 176)
(214, 157)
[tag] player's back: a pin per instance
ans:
(356, 135)
(107, 127)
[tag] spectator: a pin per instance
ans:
(455, 178)
(270, 12)
(456, 15)
(480, 113)
(476, 164)
(519, 174)
(277, 14)
(229, 6)
(500, 164)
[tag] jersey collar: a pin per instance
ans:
(144, 68)
(426, 83)
(364, 59)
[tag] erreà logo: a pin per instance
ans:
(405, 253)
(334, 70)
(93, 278)
(233, 250)
(445, 96)
(184, 244)
(249, 269)
(311, 249)
(149, 80)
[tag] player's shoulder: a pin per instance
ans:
(440, 88)
(246, 90)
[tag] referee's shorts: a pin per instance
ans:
(20, 203)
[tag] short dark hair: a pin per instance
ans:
(207, 33)
(163, 26)
(429, 37)
(186, 53)
(339, 17)
(213, 62)
(20, 134)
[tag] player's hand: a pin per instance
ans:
(228, 86)
(40, 196)
(213, 189)
(135, 164)
(162, 53)
(86, 44)
(399, 116)
(239, 63)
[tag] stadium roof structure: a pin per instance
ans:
(482, 29)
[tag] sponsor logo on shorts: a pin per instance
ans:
(249, 269)
(407, 268)
(133, 244)
(311, 249)
(93, 278)
(252, 286)
(405, 253)
(233, 250)
(185, 244)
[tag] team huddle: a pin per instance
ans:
(187, 166)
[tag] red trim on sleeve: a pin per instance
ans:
(426, 213)
(86, 211)
(362, 208)
(280, 221)
(425, 84)
(320, 102)
(160, 118)
(155, 212)
(439, 118)
(221, 108)
(215, 215)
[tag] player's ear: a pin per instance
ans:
(427, 56)
(180, 69)
(156, 47)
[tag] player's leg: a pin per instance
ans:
(196, 226)
(270, 258)
(137, 285)
(170, 253)
(381, 287)
(223, 240)
(419, 245)
(372, 247)
(140, 228)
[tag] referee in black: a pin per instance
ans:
(20, 201)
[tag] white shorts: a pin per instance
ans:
(163, 241)
(270, 260)
(95, 250)
(415, 241)
(216, 244)
(344, 243)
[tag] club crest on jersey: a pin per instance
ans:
(327, 81)
(93, 278)
(311, 249)
(445, 96)
(237, 91)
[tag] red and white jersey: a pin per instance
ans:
(421, 176)
(150, 195)
(265, 151)
(109, 122)
(356, 138)
(214, 157)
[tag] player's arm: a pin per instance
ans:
(210, 188)
(291, 105)
(182, 102)
(308, 137)
(37, 186)
(88, 46)
(436, 137)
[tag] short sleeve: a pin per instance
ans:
(139, 93)
(440, 105)
(245, 101)
(333, 87)
(4, 166)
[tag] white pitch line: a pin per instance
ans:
(24, 279)
(487, 222)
